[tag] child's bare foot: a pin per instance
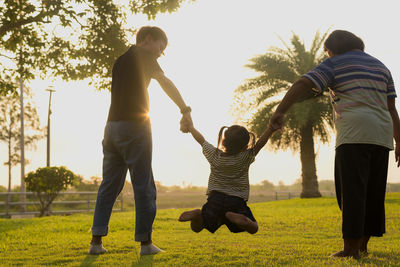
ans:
(189, 215)
(194, 216)
(242, 222)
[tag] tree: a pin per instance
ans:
(10, 132)
(90, 186)
(73, 40)
(47, 182)
(309, 119)
(267, 185)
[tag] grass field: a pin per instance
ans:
(295, 232)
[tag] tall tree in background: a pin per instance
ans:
(10, 132)
(73, 40)
(309, 119)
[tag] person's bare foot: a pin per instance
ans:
(149, 249)
(342, 254)
(351, 248)
(363, 245)
(96, 249)
(189, 215)
(242, 222)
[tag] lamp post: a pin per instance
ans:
(50, 89)
(23, 193)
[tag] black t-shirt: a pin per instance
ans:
(131, 76)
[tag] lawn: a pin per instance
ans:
(295, 232)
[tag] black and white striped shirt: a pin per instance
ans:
(229, 174)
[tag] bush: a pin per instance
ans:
(47, 182)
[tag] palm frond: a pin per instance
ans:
(271, 90)
(252, 84)
(259, 122)
(318, 41)
(279, 68)
(274, 66)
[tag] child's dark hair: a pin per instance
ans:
(235, 139)
(155, 32)
(340, 42)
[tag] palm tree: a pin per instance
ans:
(307, 121)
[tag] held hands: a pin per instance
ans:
(276, 121)
(186, 123)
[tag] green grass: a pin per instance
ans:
(295, 232)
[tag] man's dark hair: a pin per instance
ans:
(155, 32)
(340, 42)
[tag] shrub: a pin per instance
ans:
(47, 182)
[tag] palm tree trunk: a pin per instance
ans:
(308, 169)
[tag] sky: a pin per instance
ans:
(210, 42)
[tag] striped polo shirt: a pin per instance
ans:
(359, 87)
(229, 174)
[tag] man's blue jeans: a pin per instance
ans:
(127, 146)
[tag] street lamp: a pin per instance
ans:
(50, 89)
(23, 190)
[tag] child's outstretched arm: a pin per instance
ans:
(263, 139)
(196, 134)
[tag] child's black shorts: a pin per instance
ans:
(213, 212)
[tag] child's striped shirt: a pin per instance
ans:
(229, 174)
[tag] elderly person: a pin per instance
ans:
(366, 121)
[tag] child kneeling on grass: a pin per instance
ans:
(228, 184)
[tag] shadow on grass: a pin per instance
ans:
(144, 261)
(89, 260)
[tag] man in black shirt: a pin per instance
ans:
(127, 143)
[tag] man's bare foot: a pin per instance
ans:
(149, 249)
(189, 215)
(242, 222)
(96, 249)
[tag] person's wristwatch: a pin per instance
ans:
(186, 109)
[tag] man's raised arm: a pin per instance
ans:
(173, 93)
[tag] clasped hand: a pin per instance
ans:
(186, 123)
